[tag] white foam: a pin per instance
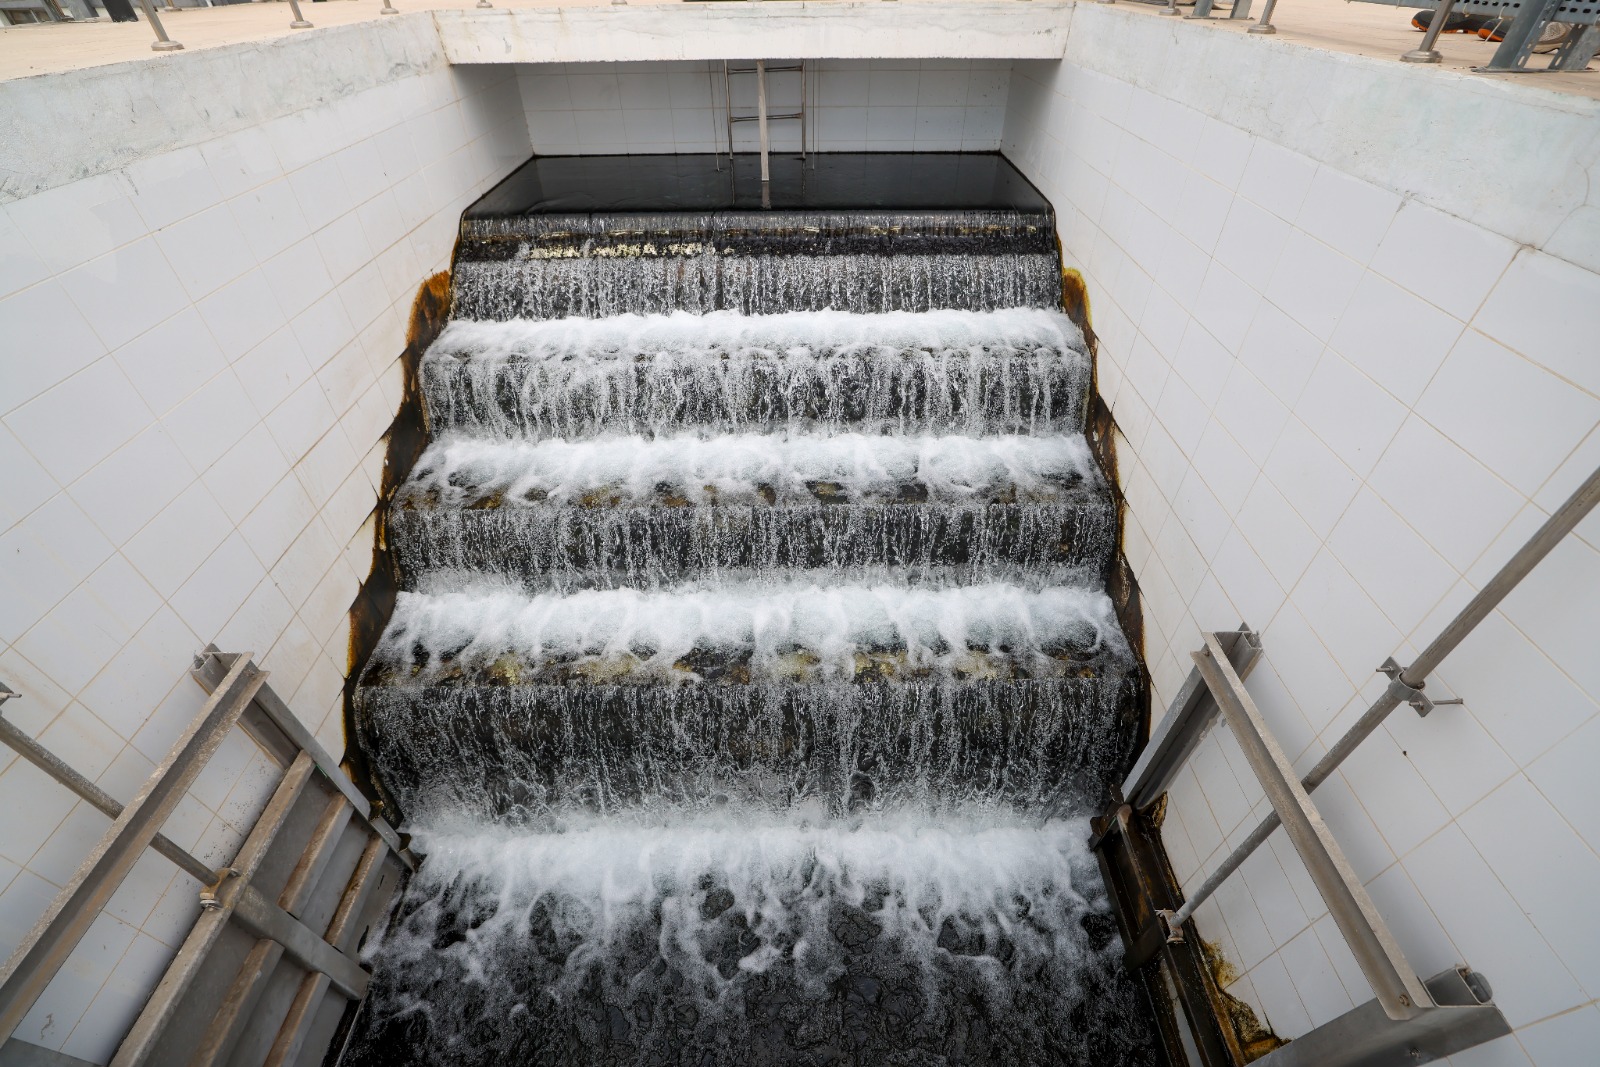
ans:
(787, 875)
(733, 468)
(934, 626)
(728, 331)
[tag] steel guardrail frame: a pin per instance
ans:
(297, 914)
(1408, 1018)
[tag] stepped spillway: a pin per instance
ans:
(752, 669)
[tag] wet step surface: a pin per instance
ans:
(1013, 371)
(753, 668)
(659, 509)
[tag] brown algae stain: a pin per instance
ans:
(1075, 302)
(1101, 431)
(1255, 1038)
(404, 441)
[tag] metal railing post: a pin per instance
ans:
(1406, 686)
(387, 9)
(1265, 25)
(162, 43)
(1427, 53)
(299, 22)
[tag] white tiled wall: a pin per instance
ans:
(1342, 410)
(198, 356)
(928, 105)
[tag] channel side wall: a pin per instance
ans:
(199, 358)
(1348, 316)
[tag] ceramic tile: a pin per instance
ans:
(124, 293)
(80, 422)
(1568, 1038)
(1313, 283)
(134, 484)
(1445, 260)
(1483, 387)
(1350, 214)
(1490, 929)
(1396, 339)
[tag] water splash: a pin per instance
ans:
(458, 471)
(745, 632)
(545, 547)
(1003, 372)
(754, 939)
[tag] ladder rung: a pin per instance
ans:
(770, 70)
(770, 118)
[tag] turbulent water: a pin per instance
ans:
(752, 668)
(1011, 371)
(466, 471)
(714, 940)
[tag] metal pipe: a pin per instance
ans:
(1265, 25)
(104, 802)
(1427, 53)
(387, 9)
(1412, 678)
(761, 110)
(162, 43)
(299, 22)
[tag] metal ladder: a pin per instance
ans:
(761, 70)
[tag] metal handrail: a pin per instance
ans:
(230, 895)
(1406, 685)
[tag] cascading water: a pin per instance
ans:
(753, 668)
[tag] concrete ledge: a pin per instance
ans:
(880, 29)
(60, 127)
(1504, 153)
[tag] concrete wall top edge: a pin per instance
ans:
(877, 29)
(1511, 157)
(142, 109)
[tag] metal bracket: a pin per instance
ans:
(8, 693)
(209, 899)
(1410, 694)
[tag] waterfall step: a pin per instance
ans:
(729, 233)
(653, 508)
(532, 755)
(947, 372)
(563, 546)
(740, 937)
(772, 469)
(722, 632)
(753, 285)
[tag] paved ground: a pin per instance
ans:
(1360, 28)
